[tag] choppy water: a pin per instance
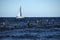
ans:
(22, 32)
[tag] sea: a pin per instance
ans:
(30, 28)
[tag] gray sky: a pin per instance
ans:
(30, 8)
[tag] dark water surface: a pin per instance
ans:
(30, 28)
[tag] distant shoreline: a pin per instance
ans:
(33, 17)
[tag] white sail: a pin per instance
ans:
(20, 14)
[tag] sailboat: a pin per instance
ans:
(19, 14)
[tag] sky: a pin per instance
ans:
(30, 8)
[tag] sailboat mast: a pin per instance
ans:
(20, 12)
